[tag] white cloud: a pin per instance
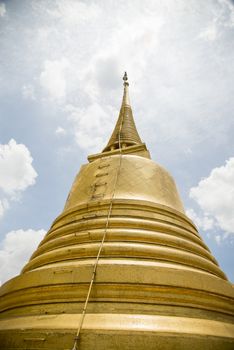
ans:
(155, 43)
(203, 222)
(53, 78)
(91, 125)
(28, 92)
(210, 33)
(223, 17)
(16, 249)
(218, 239)
(17, 172)
(60, 131)
(2, 9)
(4, 205)
(229, 18)
(215, 196)
(73, 13)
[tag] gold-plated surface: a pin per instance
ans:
(157, 285)
(139, 178)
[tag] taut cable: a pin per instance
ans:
(77, 337)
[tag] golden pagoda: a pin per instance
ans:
(122, 267)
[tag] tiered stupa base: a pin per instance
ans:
(148, 292)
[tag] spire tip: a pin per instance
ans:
(125, 79)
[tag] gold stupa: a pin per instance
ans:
(122, 267)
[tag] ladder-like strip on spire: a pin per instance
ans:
(128, 135)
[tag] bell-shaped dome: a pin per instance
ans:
(139, 178)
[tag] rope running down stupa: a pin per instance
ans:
(77, 337)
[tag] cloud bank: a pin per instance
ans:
(16, 249)
(17, 172)
(52, 78)
(215, 197)
(2, 9)
(76, 52)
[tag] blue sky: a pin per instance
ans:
(61, 65)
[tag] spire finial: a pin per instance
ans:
(125, 79)
(125, 132)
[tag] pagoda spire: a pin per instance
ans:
(125, 133)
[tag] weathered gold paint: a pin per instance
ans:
(157, 284)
